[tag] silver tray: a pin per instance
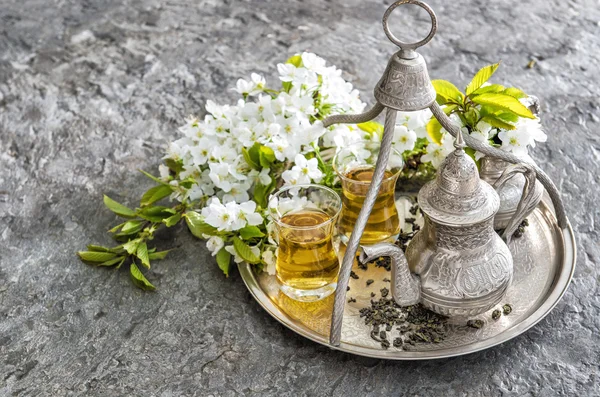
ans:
(544, 260)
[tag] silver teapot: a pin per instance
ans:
(456, 264)
(511, 190)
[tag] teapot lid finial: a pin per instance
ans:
(458, 196)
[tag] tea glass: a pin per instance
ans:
(354, 165)
(305, 218)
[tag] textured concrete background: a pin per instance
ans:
(92, 90)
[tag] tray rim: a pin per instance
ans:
(556, 292)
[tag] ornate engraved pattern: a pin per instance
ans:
(457, 196)
(458, 210)
(463, 237)
(405, 85)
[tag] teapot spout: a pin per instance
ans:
(406, 287)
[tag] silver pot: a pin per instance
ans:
(463, 266)
(510, 190)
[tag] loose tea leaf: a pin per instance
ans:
(411, 320)
(477, 324)
(507, 309)
(496, 314)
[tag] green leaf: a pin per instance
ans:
(481, 77)
(116, 228)
(118, 249)
(434, 130)
(158, 255)
(506, 116)
(249, 232)
(266, 156)
(262, 192)
(515, 93)
(249, 159)
(497, 123)
(504, 102)
(224, 260)
(471, 153)
(244, 251)
(197, 225)
(488, 88)
(155, 194)
(132, 227)
(295, 60)
(97, 248)
(447, 92)
(142, 254)
(139, 279)
(174, 165)
(157, 213)
(472, 116)
(112, 262)
(155, 179)
(450, 108)
(254, 155)
(95, 256)
(131, 246)
(172, 220)
(372, 127)
(118, 209)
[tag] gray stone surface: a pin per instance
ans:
(90, 91)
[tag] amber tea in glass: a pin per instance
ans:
(307, 264)
(355, 165)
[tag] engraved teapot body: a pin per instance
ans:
(456, 265)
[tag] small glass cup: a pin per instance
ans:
(355, 165)
(305, 218)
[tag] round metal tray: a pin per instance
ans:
(544, 260)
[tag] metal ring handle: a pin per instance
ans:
(400, 43)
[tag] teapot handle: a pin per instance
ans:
(406, 287)
(529, 199)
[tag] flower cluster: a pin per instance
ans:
(232, 159)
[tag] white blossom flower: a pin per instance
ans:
(287, 72)
(164, 172)
(404, 139)
(515, 141)
(246, 211)
(294, 177)
(531, 130)
(238, 193)
(313, 62)
(481, 133)
(308, 168)
(219, 173)
(253, 87)
(437, 153)
(270, 259)
(218, 215)
(214, 243)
